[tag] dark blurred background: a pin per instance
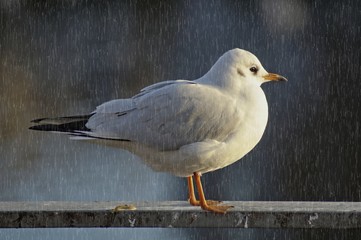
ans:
(66, 57)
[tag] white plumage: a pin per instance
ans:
(182, 126)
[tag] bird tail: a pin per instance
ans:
(72, 124)
(75, 126)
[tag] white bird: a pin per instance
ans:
(183, 127)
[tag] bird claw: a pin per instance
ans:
(212, 205)
(217, 208)
(209, 202)
(213, 202)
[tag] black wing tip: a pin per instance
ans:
(46, 127)
(54, 128)
(75, 128)
(71, 124)
(37, 120)
(66, 127)
(68, 118)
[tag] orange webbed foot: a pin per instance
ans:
(209, 202)
(209, 205)
(222, 209)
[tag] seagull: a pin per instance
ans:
(186, 128)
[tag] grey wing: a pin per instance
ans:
(159, 85)
(168, 117)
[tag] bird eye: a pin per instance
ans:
(253, 69)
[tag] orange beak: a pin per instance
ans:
(274, 77)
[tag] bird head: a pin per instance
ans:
(249, 68)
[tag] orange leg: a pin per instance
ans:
(192, 197)
(202, 200)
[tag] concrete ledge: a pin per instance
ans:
(331, 215)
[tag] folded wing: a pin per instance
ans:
(167, 116)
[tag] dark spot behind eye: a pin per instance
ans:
(240, 72)
(253, 69)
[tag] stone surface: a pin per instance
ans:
(180, 215)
